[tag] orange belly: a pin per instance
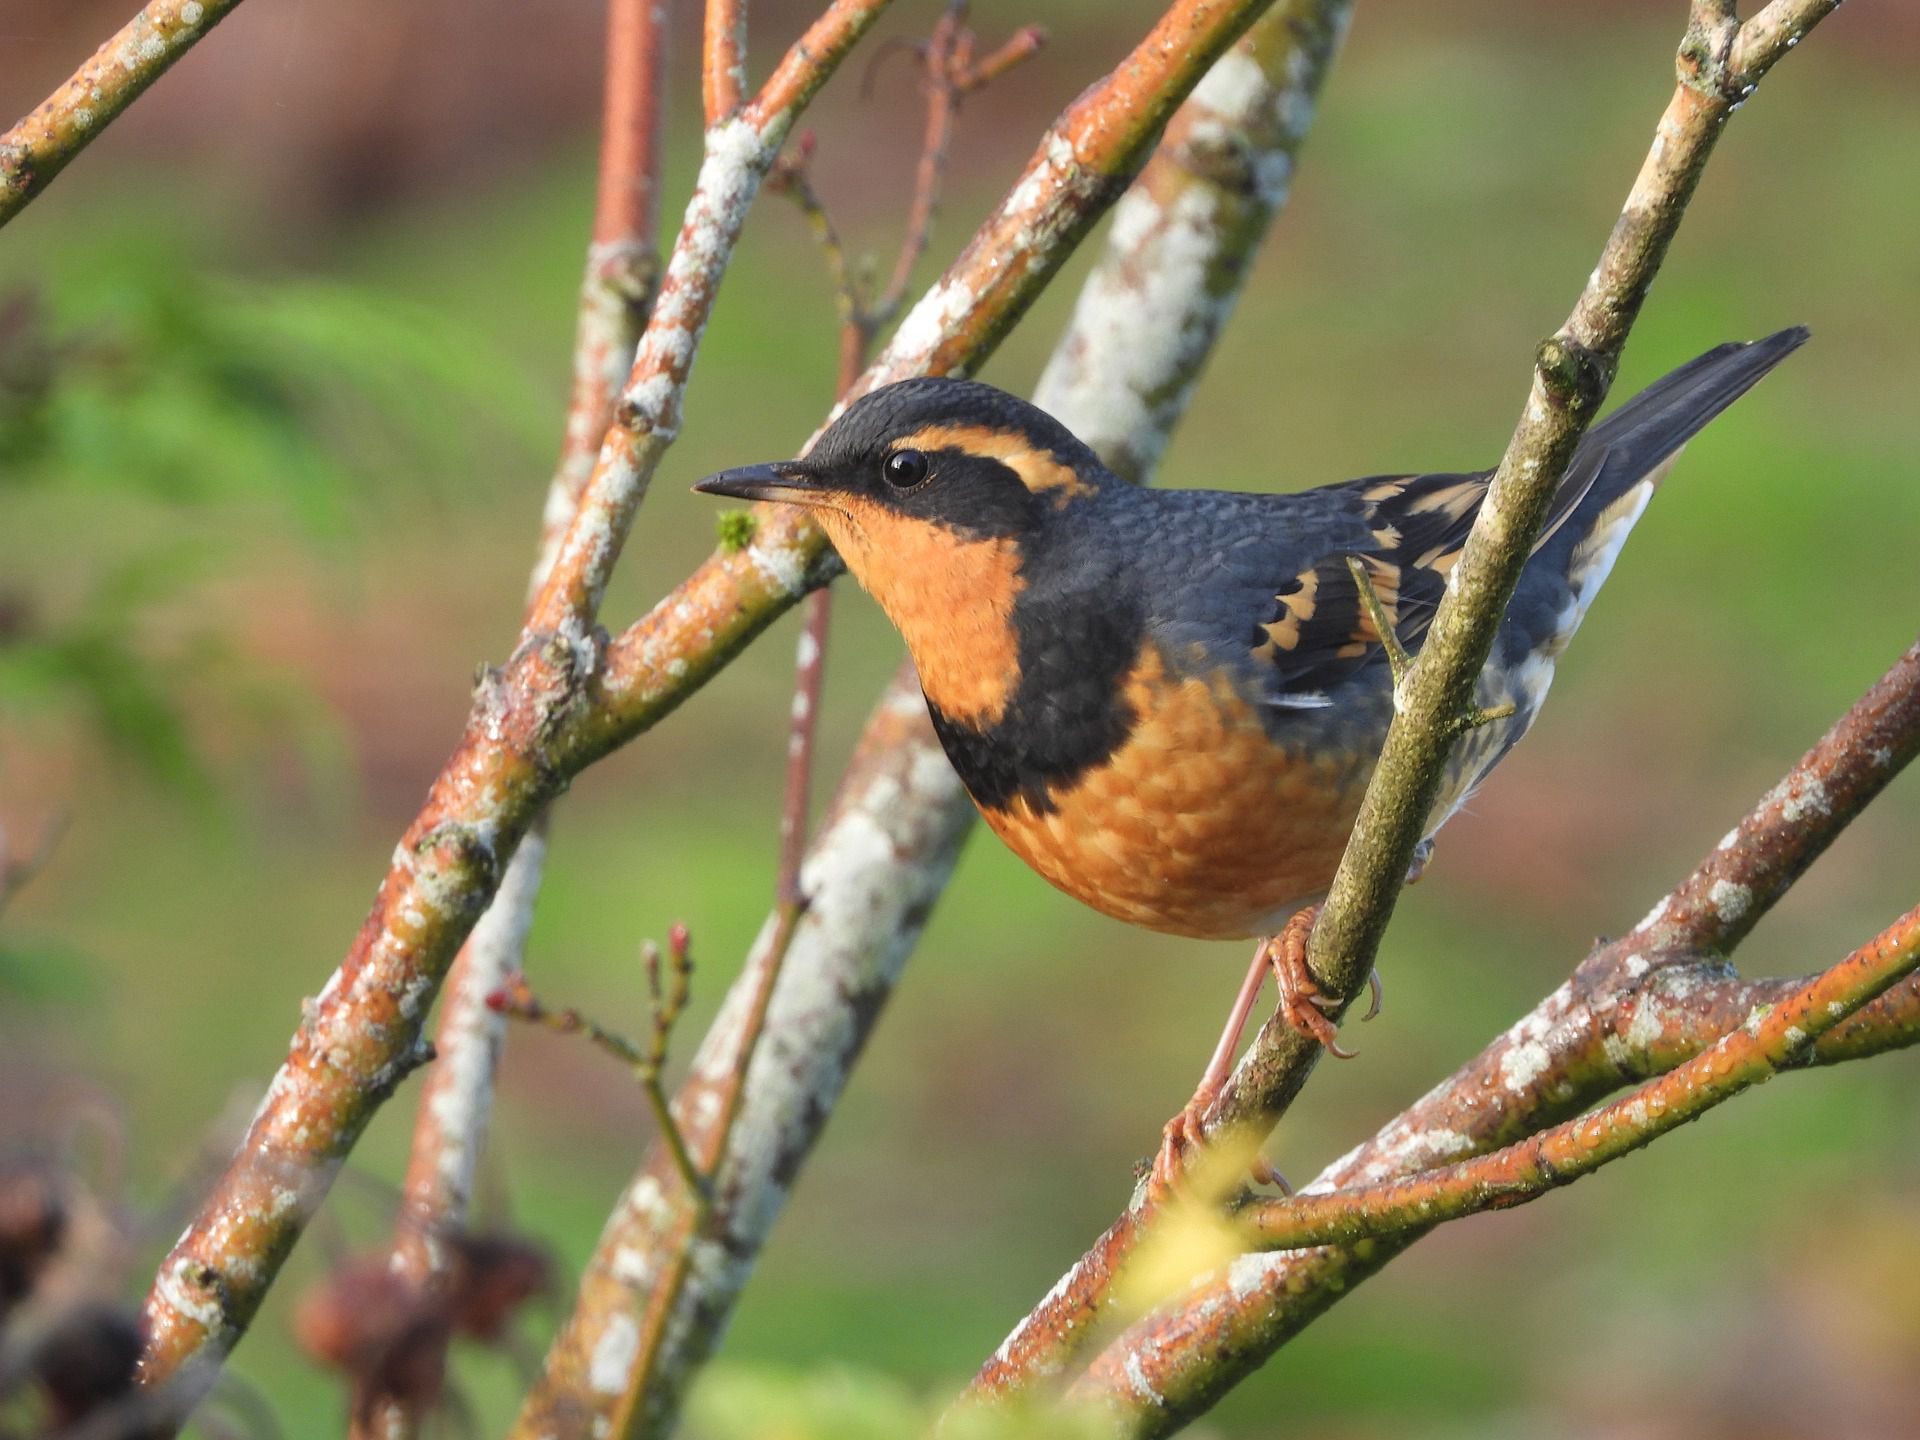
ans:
(1200, 824)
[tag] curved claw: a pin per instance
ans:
(1375, 992)
(1262, 1173)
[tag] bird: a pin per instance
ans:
(1169, 702)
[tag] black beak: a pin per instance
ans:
(788, 480)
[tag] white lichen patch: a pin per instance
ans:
(928, 323)
(646, 1200)
(1055, 162)
(176, 1287)
(1236, 88)
(1731, 901)
(1137, 1379)
(613, 1355)
(632, 1268)
(783, 566)
(1523, 1064)
(1643, 1030)
(1809, 798)
(192, 13)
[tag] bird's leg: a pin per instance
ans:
(1184, 1130)
(1301, 1002)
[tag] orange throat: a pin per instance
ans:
(950, 596)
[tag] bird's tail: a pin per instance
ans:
(1632, 442)
(1619, 465)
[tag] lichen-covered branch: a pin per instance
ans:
(1185, 235)
(1775, 1035)
(623, 256)
(362, 1035)
(42, 144)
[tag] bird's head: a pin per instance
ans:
(933, 462)
(936, 493)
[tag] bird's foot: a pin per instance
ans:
(1180, 1143)
(1182, 1134)
(1301, 1000)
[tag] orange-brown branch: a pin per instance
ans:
(1775, 1035)
(723, 59)
(42, 144)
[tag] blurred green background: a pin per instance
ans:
(282, 363)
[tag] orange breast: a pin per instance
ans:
(1200, 824)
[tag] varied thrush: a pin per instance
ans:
(1168, 702)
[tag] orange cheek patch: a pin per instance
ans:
(950, 597)
(1037, 469)
(1199, 824)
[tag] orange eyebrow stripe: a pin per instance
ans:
(1037, 469)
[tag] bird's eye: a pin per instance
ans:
(904, 469)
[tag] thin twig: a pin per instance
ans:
(515, 999)
(723, 60)
(942, 60)
(41, 145)
(622, 266)
(809, 668)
